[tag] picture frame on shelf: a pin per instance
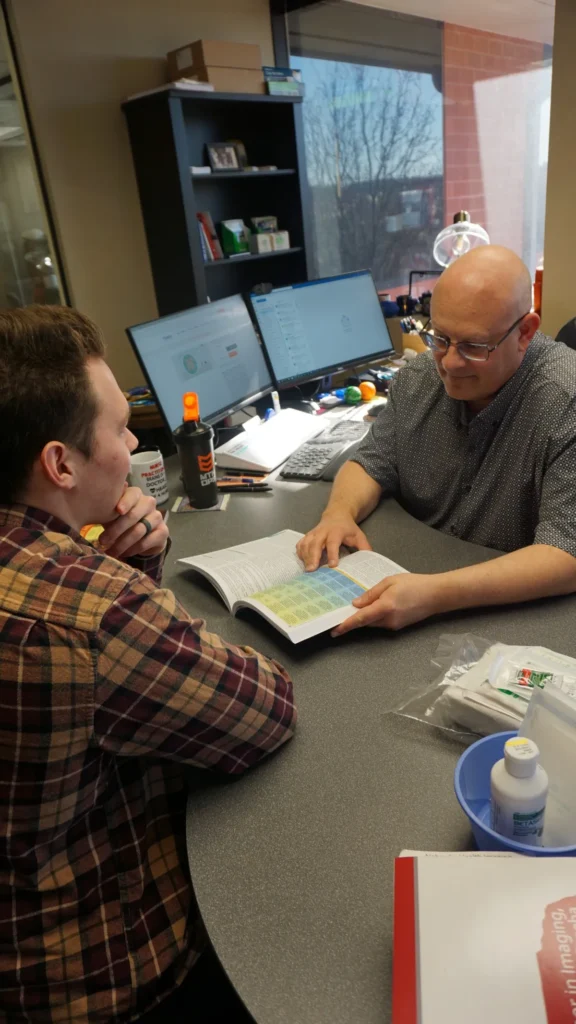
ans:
(222, 156)
(240, 152)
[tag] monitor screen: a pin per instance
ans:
(313, 329)
(213, 350)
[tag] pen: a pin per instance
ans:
(239, 479)
(257, 488)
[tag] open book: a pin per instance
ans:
(268, 576)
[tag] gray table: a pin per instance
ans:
(293, 864)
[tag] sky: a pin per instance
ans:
(313, 71)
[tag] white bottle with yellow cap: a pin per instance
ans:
(519, 787)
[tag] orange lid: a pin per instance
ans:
(191, 406)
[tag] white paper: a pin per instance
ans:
(247, 568)
(368, 567)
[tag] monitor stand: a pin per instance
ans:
(301, 397)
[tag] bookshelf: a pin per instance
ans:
(168, 133)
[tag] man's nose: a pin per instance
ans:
(453, 360)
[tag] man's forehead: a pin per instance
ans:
(108, 394)
(470, 322)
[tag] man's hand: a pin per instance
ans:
(395, 602)
(126, 536)
(333, 530)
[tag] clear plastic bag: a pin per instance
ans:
(452, 701)
(484, 687)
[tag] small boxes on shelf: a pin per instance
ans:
(229, 67)
(260, 243)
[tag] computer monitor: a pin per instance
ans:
(213, 350)
(312, 329)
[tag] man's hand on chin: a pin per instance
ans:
(127, 536)
(395, 602)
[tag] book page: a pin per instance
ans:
(368, 567)
(239, 571)
(314, 602)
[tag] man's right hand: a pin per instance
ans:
(333, 530)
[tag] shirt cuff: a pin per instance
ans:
(547, 533)
(151, 566)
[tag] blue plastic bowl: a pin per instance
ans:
(472, 786)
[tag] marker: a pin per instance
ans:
(276, 401)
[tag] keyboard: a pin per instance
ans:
(268, 445)
(317, 456)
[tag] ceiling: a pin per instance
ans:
(522, 19)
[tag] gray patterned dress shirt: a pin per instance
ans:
(505, 478)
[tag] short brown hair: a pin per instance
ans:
(45, 392)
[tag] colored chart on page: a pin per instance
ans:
(310, 595)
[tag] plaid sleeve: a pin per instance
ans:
(152, 566)
(166, 687)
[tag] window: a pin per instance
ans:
(409, 120)
(27, 266)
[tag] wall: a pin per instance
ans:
(79, 60)
(559, 301)
(491, 89)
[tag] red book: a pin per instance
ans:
(213, 240)
(484, 939)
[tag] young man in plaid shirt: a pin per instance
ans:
(107, 687)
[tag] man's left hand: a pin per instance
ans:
(395, 602)
(127, 536)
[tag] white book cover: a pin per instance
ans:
(484, 940)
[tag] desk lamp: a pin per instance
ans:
(458, 238)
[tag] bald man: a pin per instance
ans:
(478, 439)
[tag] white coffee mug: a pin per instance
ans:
(147, 472)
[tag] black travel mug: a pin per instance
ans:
(195, 443)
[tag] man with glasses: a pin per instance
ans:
(478, 439)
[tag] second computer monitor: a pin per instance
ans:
(316, 328)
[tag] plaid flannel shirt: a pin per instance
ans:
(106, 687)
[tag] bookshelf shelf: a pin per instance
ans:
(241, 175)
(248, 257)
(169, 131)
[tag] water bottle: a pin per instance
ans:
(194, 441)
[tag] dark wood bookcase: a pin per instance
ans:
(168, 134)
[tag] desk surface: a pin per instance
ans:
(293, 863)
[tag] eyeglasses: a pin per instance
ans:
(477, 353)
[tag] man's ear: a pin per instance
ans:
(59, 464)
(528, 328)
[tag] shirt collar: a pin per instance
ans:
(36, 520)
(494, 413)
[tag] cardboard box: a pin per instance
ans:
(209, 54)
(280, 240)
(230, 79)
(261, 242)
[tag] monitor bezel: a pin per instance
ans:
(325, 371)
(220, 414)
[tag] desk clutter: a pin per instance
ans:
(499, 692)
(237, 351)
